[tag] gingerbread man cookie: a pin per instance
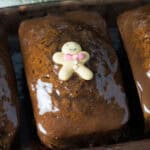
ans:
(72, 59)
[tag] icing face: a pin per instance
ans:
(71, 48)
(72, 59)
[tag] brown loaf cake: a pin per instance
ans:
(134, 27)
(75, 112)
(8, 97)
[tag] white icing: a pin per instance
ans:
(45, 104)
(148, 74)
(146, 109)
(139, 86)
(75, 67)
(10, 112)
(58, 92)
(41, 128)
(75, 62)
(32, 87)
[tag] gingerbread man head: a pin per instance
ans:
(71, 48)
(72, 59)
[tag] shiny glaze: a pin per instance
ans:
(8, 106)
(135, 30)
(83, 107)
(107, 85)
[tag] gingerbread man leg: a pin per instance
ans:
(84, 72)
(65, 73)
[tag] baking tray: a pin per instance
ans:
(10, 18)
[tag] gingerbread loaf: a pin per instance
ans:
(134, 27)
(74, 79)
(8, 97)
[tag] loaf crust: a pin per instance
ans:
(134, 27)
(8, 97)
(80, 110)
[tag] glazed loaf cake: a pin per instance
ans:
(134, 27)
(8, 98)
(73, 77)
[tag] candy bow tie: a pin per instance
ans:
(77, 57)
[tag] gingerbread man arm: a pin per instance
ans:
(58, 58)
(87, 57)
